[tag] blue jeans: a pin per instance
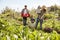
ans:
(24, 21)
(37, 21)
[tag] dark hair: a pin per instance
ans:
(39, 7)
(32, 19)
(25, 6)
(44, 10)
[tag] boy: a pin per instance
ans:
(32, 23)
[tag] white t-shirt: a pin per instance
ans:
(38, 11)
(32, 25)
(25, 11)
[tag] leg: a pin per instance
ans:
(37, 22)
(41, 22)
(24, 21)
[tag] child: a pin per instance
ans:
(32, 23)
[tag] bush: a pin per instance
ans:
(49, 16)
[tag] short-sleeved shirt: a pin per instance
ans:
(38, 11)
(41, 13)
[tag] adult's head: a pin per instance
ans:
(25, 6)
(43, 7)
(39, 7)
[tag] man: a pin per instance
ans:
(25, 14)
(40, 12)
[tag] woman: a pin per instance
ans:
(40, 12)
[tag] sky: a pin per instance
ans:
(18, 5)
